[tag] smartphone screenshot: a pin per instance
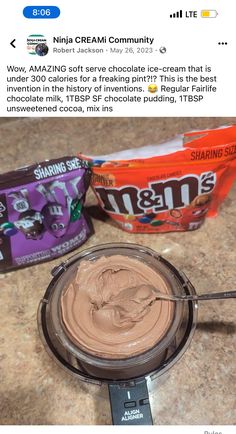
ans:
(117, 216)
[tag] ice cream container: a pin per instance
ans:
(102, 353)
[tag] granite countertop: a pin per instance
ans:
(200, 388)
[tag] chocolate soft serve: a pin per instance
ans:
(101, 320)
(110, 309)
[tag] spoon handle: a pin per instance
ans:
(212, 296)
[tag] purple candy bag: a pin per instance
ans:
(41, 211)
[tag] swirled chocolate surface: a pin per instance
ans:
(110, 310)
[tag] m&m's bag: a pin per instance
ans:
(41, 211)
(168, 187)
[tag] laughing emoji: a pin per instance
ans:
(152, 88)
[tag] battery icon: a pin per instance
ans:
(207, 13)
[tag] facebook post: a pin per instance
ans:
(117, 216)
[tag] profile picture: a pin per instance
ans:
(33, 41)
(41, 49)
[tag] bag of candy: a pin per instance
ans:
(41, 211)
(168, 187)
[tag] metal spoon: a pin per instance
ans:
(212, 296)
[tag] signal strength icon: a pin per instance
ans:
(178, 14)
